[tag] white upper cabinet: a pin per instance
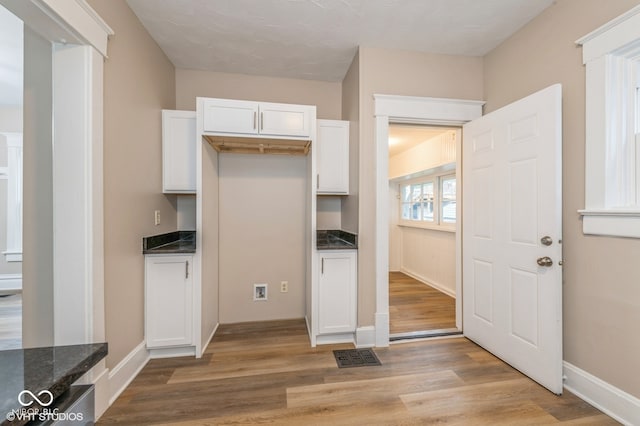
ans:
(256, 119)
(178, 152)
(229, 116)
(332, 157)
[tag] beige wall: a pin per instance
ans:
(351, 113)
(139, 81)
(37, 216)
(601, 275)
(210, 242)
(263, 223)
(193, 83)
(395, 72)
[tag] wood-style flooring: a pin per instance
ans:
(266, 373)
(415, 306)
(11, 322)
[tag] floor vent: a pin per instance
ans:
(356, 358)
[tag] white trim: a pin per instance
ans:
(337, 338)
(206, 343)
(610, 54)
(607, 398)
(10, 283)
(410, 109)
(99, 375)
(611, 223)
(156, 353)
(80, 18)
(365, 337)
(123, 374)
(611, 35)
(441, 111)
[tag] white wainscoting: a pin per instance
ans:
(429, 256)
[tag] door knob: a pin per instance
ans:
(545, 261)
(546, 241)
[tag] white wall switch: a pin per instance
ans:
(156, 216)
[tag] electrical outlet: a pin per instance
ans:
(260, 292)
(284, 286)
(156, 217)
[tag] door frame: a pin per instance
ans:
(413, 110)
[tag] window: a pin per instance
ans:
(429, 202)
(611, 55)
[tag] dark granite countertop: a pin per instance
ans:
(336, 240)
(174, 242)
(37, 370)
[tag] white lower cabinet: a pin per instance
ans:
(337, 291)
(168, 300)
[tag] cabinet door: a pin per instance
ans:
(337, 293)
(332, 159)
(230, 116)
(178, 151)
(284, 120)
(168, 301)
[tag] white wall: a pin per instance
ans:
(430, 256)
(262, 201)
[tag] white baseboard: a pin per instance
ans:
(607, 398)
(10, 283)
(432, 283)
(127, 370)
(330, 339)
(172, 352)
(382, 329)
(213, 332)
(101, 388)
(366, 337)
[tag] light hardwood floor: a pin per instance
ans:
(11, 322)
(415, 306)
(266, 373)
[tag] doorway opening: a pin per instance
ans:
(423, 222)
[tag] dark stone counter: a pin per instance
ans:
(336, 240)
(39, 371)
(177, 242)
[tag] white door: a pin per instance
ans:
(512, 231)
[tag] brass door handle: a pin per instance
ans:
(545, 261)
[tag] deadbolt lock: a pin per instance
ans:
(546, 240)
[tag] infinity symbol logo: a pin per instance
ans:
(35, 398)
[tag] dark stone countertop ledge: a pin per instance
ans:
(178, 242)
(336, 240)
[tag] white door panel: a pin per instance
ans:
(512, 198)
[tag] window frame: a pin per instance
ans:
(611, 55)
(437, 223)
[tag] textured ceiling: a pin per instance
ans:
(317, 39)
